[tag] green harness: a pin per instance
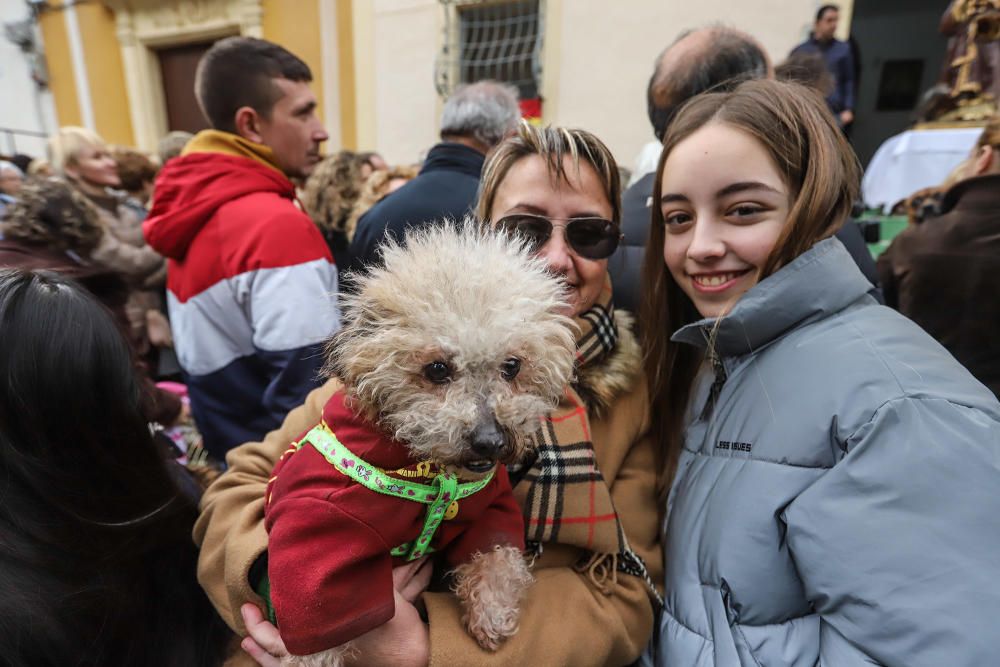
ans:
(439, 495)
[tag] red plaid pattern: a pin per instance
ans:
(564, 495)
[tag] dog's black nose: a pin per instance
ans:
(488, 440)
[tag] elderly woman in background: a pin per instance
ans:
(588, 496)
(84, 160)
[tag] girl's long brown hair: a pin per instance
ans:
(822, 174)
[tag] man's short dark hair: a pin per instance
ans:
(821, 12)
(239, 72)
(729, 58)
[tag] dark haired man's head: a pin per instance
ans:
(827, 17)
(714, 58)
(260, 91)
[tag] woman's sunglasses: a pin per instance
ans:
(593, 238)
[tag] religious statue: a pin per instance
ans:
(972, 65)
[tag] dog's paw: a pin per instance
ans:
(490, 589)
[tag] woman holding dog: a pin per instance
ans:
(834, 470)
(588, 496)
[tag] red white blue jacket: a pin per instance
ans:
(251, 289)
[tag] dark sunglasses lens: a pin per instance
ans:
(592, 238)
(534, 230)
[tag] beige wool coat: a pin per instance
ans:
(566, 618)
(122, 248)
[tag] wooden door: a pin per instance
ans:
(177, 67)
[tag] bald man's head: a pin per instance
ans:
(714, 58)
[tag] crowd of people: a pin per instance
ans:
(794, 450)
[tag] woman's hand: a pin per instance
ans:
(402, 642)
(412, 579)
(263, 642)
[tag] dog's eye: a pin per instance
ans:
(437, 372)
(510, 368)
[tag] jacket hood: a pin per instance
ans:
(820, 281)
(191, 188)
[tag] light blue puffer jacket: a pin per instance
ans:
(840, 502)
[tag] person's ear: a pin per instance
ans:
(248, 124)
(983, 161)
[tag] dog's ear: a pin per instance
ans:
(331, 353)
(345, 350)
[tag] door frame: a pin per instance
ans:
(143, 26)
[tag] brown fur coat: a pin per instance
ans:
(565, 618)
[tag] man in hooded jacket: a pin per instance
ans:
(250, 280)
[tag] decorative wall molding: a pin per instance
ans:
(142, 26)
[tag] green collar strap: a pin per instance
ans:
(441, 495)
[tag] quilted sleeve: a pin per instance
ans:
(897, 543)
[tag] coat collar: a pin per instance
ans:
(977, 192)
(448, 156)
(819, 282)
(227, 143)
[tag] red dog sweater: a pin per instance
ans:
(346, 503)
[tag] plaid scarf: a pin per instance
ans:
(564, 495)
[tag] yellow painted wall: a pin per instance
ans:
(345, 60)
(295, 25)
(60, 65)
(364, 68)
(105, 74)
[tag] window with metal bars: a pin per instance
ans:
(492, 40)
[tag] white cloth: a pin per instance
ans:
(914, 160)
(646, 161)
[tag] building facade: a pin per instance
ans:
(125, 67)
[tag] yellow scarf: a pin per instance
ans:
(227, 143)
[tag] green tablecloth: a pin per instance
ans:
(890, 226)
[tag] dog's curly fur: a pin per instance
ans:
(472, 299)
(491, 588)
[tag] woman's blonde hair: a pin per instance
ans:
(66, 144)
(822, 174)
(552, 144)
